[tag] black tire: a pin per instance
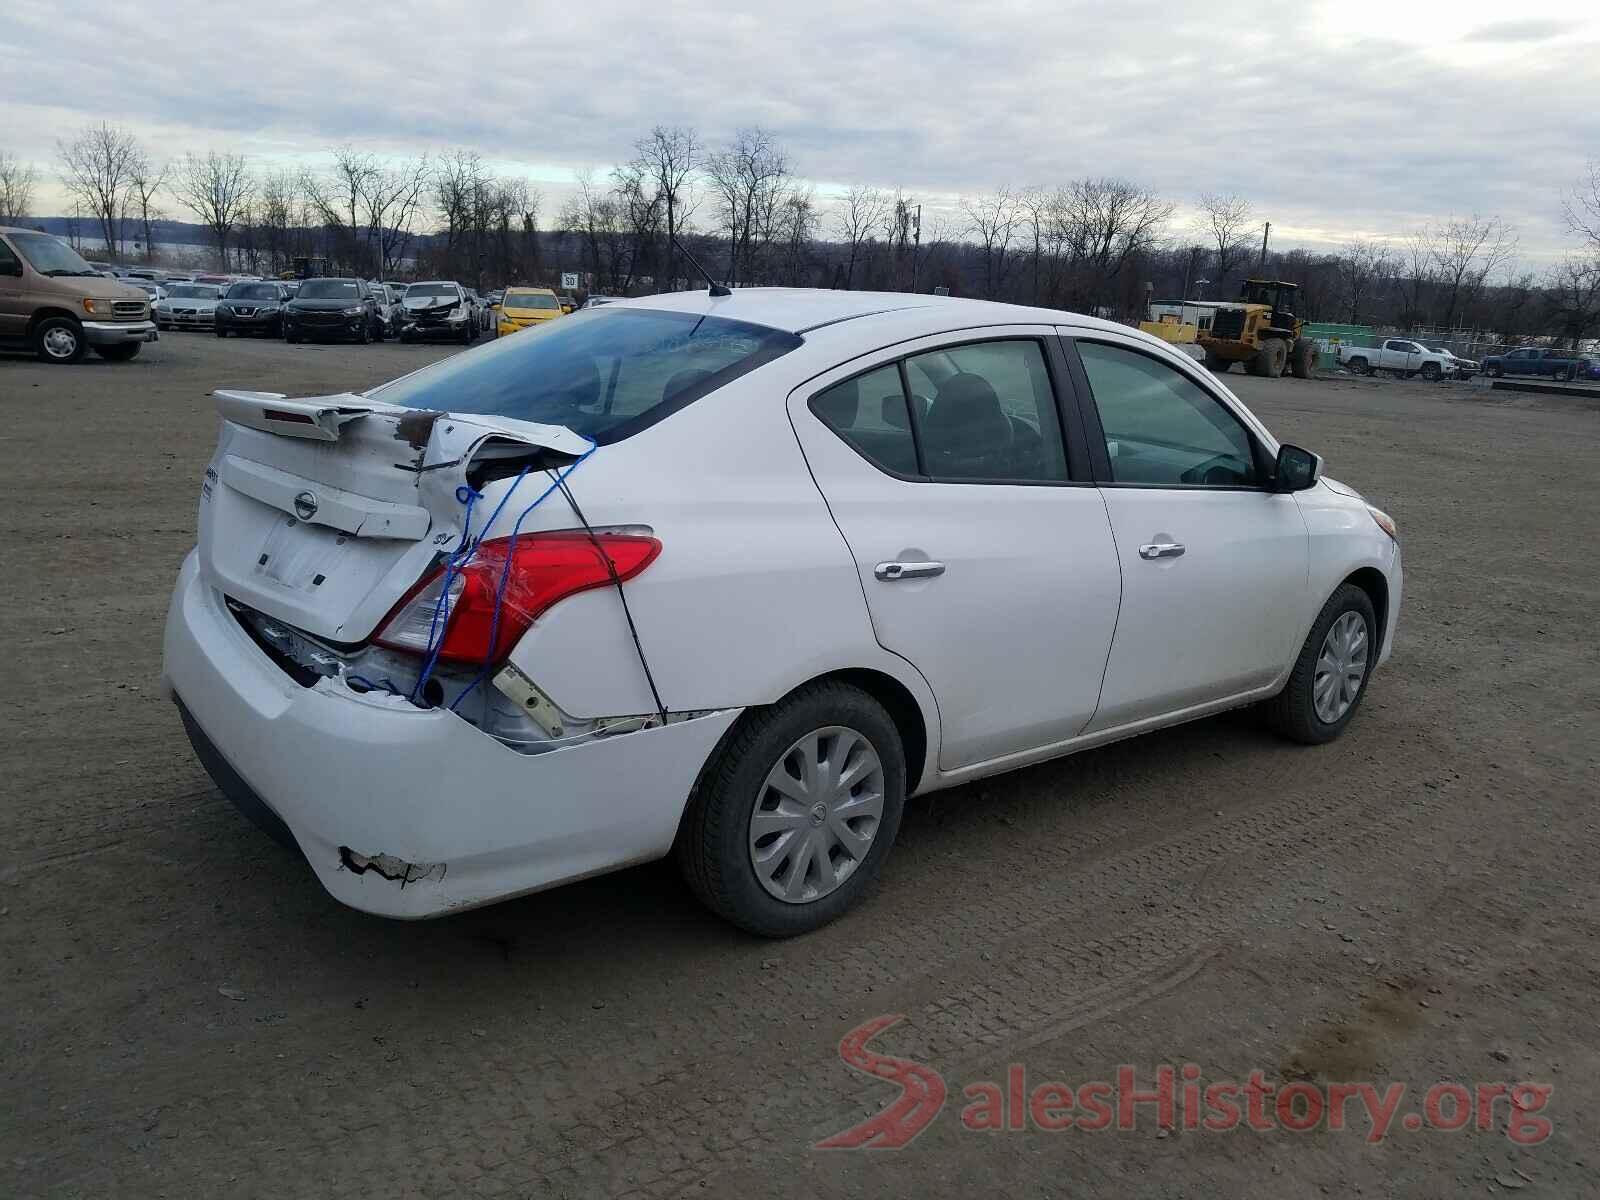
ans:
(1292, 712)
(292, 338)
(1304, 357)
(120, 352)
(1494, 370)
(1216, 363)
(221, 332)
(467, 334)
(1430, 372)
(1566, 375)
(1358, 366)
(364, 338)
(713, 848)
(59, 340)
(1270, 358)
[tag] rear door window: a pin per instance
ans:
(869, 412)
(987, 411)
(605, 374)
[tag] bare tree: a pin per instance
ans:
(1111, 222)
(95, 169)
(1417, 274)
(668, 159)
(1228, 221)
(749, 179)
(993, 221)
(1364, 267)
(391, 198)
(217, 188)
(1582, 206)
(1467, 250)
(16, 188)
(339, 197)
(145, 182)
(858, 216)
(1573, 297)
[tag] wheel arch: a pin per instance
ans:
(44, 314)
(1371, 581)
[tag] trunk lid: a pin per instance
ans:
(322, 512)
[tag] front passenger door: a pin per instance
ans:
(1214, 564)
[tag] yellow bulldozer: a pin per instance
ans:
(1260, 331)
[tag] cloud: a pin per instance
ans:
(1329, 125)
(1518, 31)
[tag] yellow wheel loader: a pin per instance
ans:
(1260, 331)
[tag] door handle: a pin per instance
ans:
(1161, 550)
(891, 571)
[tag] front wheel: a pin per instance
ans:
(120, 352)
(1330, 675)
(796, 811)
(1430, 372)
(59, 340)
(1494, 371)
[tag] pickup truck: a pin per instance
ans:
(1534, 360)
(1399, 356)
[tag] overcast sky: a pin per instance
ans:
(1353, 118)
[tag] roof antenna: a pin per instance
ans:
(717, 289)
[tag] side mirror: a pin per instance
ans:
(1296, 469)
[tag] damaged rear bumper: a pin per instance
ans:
(408, 812)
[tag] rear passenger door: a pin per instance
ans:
(983, 547)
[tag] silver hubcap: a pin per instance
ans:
(816, 815)
(1341, 667)
(60, 342)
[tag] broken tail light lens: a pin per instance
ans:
(544, 569)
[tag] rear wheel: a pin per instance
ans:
(793, 816)
(121, 352)
(1303, 360)
(1330, 675)
(59, 340)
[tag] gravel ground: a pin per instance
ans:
(187, 1013)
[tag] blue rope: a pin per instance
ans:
(505, 568)
(458, 559)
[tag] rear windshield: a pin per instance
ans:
(529, 300)
(605, 374)
(328, 289)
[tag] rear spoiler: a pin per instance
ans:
(319, 419)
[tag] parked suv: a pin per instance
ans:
(439, 308)
(333, 308)
(253, 306)
(55, 304)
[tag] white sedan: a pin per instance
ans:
(731, 577)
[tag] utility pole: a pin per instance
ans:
(1265, 231)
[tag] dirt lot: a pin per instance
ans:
(187, 1013)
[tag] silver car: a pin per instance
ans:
(188, 306)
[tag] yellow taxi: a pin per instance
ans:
(522, 307)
